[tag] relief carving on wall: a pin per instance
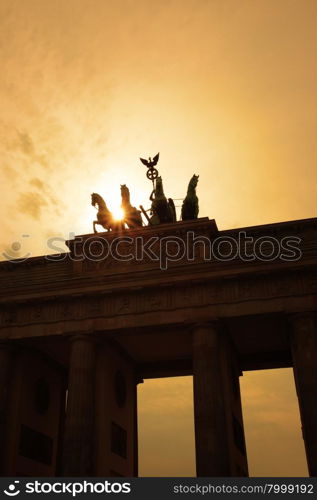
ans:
(161, 298)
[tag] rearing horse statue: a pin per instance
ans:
(190, 206)
(132, 216)
(104, 216)
(163, 210)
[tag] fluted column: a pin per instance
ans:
(304, 353)
(5, 366)
(79, 425)
(212, 454)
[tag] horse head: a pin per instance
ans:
(125, 193)
(125, 196)
(94, 199)
(194, 180)
(159, 185)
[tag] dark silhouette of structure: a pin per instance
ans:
(152, 172)
(190, 207)
(80, 330)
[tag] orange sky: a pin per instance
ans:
(222, 88)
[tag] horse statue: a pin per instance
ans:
(104, 216)
(163, 210)
(132, 216)
(190, 206)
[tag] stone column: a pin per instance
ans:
(304, 353)
(135, 429)
(78, 447)
(138, 381)
(212, 450)
(5, 366)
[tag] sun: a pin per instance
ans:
(118, 213)
(113, 201)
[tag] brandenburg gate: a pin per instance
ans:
(79, 330)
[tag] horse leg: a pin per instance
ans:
(94, 225)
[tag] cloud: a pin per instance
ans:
(33, 202)
(37, 183)
(26, 144)
(46, 191)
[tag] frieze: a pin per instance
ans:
(313, 283)
(95, 307)
(9, 317)
(161, 298)
(154, 301)
(124, 304)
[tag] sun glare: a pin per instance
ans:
(112, 198)
(118, 213)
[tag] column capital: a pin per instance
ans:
(302, 314)
(212, 323)
(86, 337)
(206, 332)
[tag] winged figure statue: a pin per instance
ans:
(151, 163)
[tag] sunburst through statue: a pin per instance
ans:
(161, 211)
(118, 213)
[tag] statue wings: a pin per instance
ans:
(145, 162)
(150, 163)
(155, 159)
